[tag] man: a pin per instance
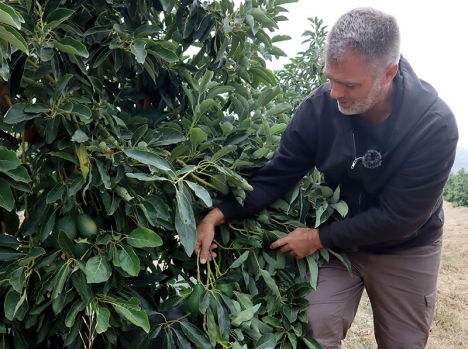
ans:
(389, 141)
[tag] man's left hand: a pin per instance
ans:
(300, 243)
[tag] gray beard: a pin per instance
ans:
(363, 106)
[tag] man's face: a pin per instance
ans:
(353, 86)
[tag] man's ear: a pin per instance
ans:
(391, 72)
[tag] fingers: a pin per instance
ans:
(282, 245)
(279, 243)
(207, 252)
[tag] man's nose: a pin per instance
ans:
(337, 90)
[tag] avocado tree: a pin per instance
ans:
(455, 190)
(122, 123)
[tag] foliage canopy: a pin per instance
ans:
(122, 123)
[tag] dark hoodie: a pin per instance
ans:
(394, 206)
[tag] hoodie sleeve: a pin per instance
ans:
(291, 161)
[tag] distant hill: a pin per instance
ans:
(461, 160)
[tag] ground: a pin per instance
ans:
(450, 326)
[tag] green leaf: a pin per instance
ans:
(206, 78)
(272, 262)
(37, 108)
(245, 315)
(185, 222)
(102, 319)
(161, 52)
(229, 277)
(277, 128)
(56, 193)
(260, 153)
(311, 343)
(166, 136)
(201, 192)
(60, 88)
(292, 339)
(8, 241)
(104, 174)
(123, 193)
(150, 159)
(82, 111)
(8, 159)
(17, 279)
(272, 321)
(220, 90)
(184, 343)
(142, 237)
(66, 244)
(197, 136)
(139, 51)
(261, 17)
(65, 156)
(344, 259)
(195, 335)
(62, 277)
(12, 299)
(270, 282)
(290, 312)
(223, 320)
(146, 30)
(222, 152)
(313, 270)
(212, 329)
(156, 208)
(207, 104)
(278, 38)
(18, 185)
(263, 75)
(16, 114)
(76, 185)
(57, 17)
(239, 261)
(7, 200)
(267, 341)
(282, 2)
(325, 254)
(19, 174)
(97, 270)
(12, 36)
(279, 109)
(154, 332)
(73, 312)
(72, 46)
(146, 177)
(128, 310)
(341, 207)
(128, 260)
(33, 254)
(276, 51)
(9, 16)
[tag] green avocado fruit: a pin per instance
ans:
(80, 249)
(87, 227)
(226, 289)
(67, 224)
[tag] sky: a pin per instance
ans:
(434, 39)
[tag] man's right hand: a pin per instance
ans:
(205, 235)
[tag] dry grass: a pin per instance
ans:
(450, 326)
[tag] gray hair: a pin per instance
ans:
(368, 32)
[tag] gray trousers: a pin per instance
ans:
(402, 289)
